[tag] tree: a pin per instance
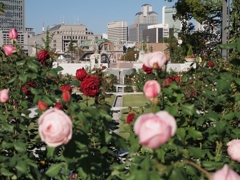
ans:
(2, 8)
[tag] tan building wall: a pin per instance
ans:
(63, 34)
(155, 47)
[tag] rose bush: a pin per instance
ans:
(187, 130)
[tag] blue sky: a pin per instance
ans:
(95, 14)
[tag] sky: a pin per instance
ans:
(95, 14)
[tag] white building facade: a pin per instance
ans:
(117, 31)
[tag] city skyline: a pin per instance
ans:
(95, 16)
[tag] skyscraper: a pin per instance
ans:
(142, 19)
(117, 31)
(167, 18)
(14, 15)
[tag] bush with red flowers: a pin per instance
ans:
(90, 86)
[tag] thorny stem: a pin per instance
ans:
(196, 166)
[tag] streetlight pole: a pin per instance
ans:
(96, 41)
(147, 43)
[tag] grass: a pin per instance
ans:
(133, 100)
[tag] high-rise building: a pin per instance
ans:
(117, 31)
(167, 18)
(142, 19)
(14, 15)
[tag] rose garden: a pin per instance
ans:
(186, 125)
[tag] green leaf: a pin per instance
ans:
(195, 134)
(181, 133)
(223, 85)
(221, 126)
(20, 63)
(54, 169)
(23, 78)
(178, 174)
(196, 152)
(75, 83)
(53, 73)
(188, 109)
(212, 116)
(230, 116)
(59, 68)
(107, 137)
(5, 172)
(8, 127)
(146, 163)
(21, 166)
(20, 147)
(173, 110)
(50, 151)
(33, 66)
(13, 79)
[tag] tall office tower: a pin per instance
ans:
(117, 31)
(142, 19)
(14, 15)
(167, 18)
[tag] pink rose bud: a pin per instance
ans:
(66, 96)
(234, 149)
(42, 106)
(4, 97)
(155, 130)
(8, 49)
(151, 89)
(225, 174)
(55, 127)
(13, 34)
(155, 59)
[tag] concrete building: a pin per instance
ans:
(117, 30)
(157, 32)
(167, 18)
(142, 19)
(14, 15)
(63, 34)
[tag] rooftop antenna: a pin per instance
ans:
(43, 27)
(63, 19)
(78, 19)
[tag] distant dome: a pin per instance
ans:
(152, 12)
(146, 5)
(139, 13)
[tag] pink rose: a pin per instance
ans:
(155, 59)
(151, 89)
(55, 127)
(8, 49)
(225, 174)
(4, 97)
(13, 34)
(234, 149)
(154, 130)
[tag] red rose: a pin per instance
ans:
(147, 69)
(130, 117)
(58, 105)
(81, 74)
(43, 55)
(177, 79)
(26, 87)
(167, 81)
(210, 64)
(66, 87)
(90, 86)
